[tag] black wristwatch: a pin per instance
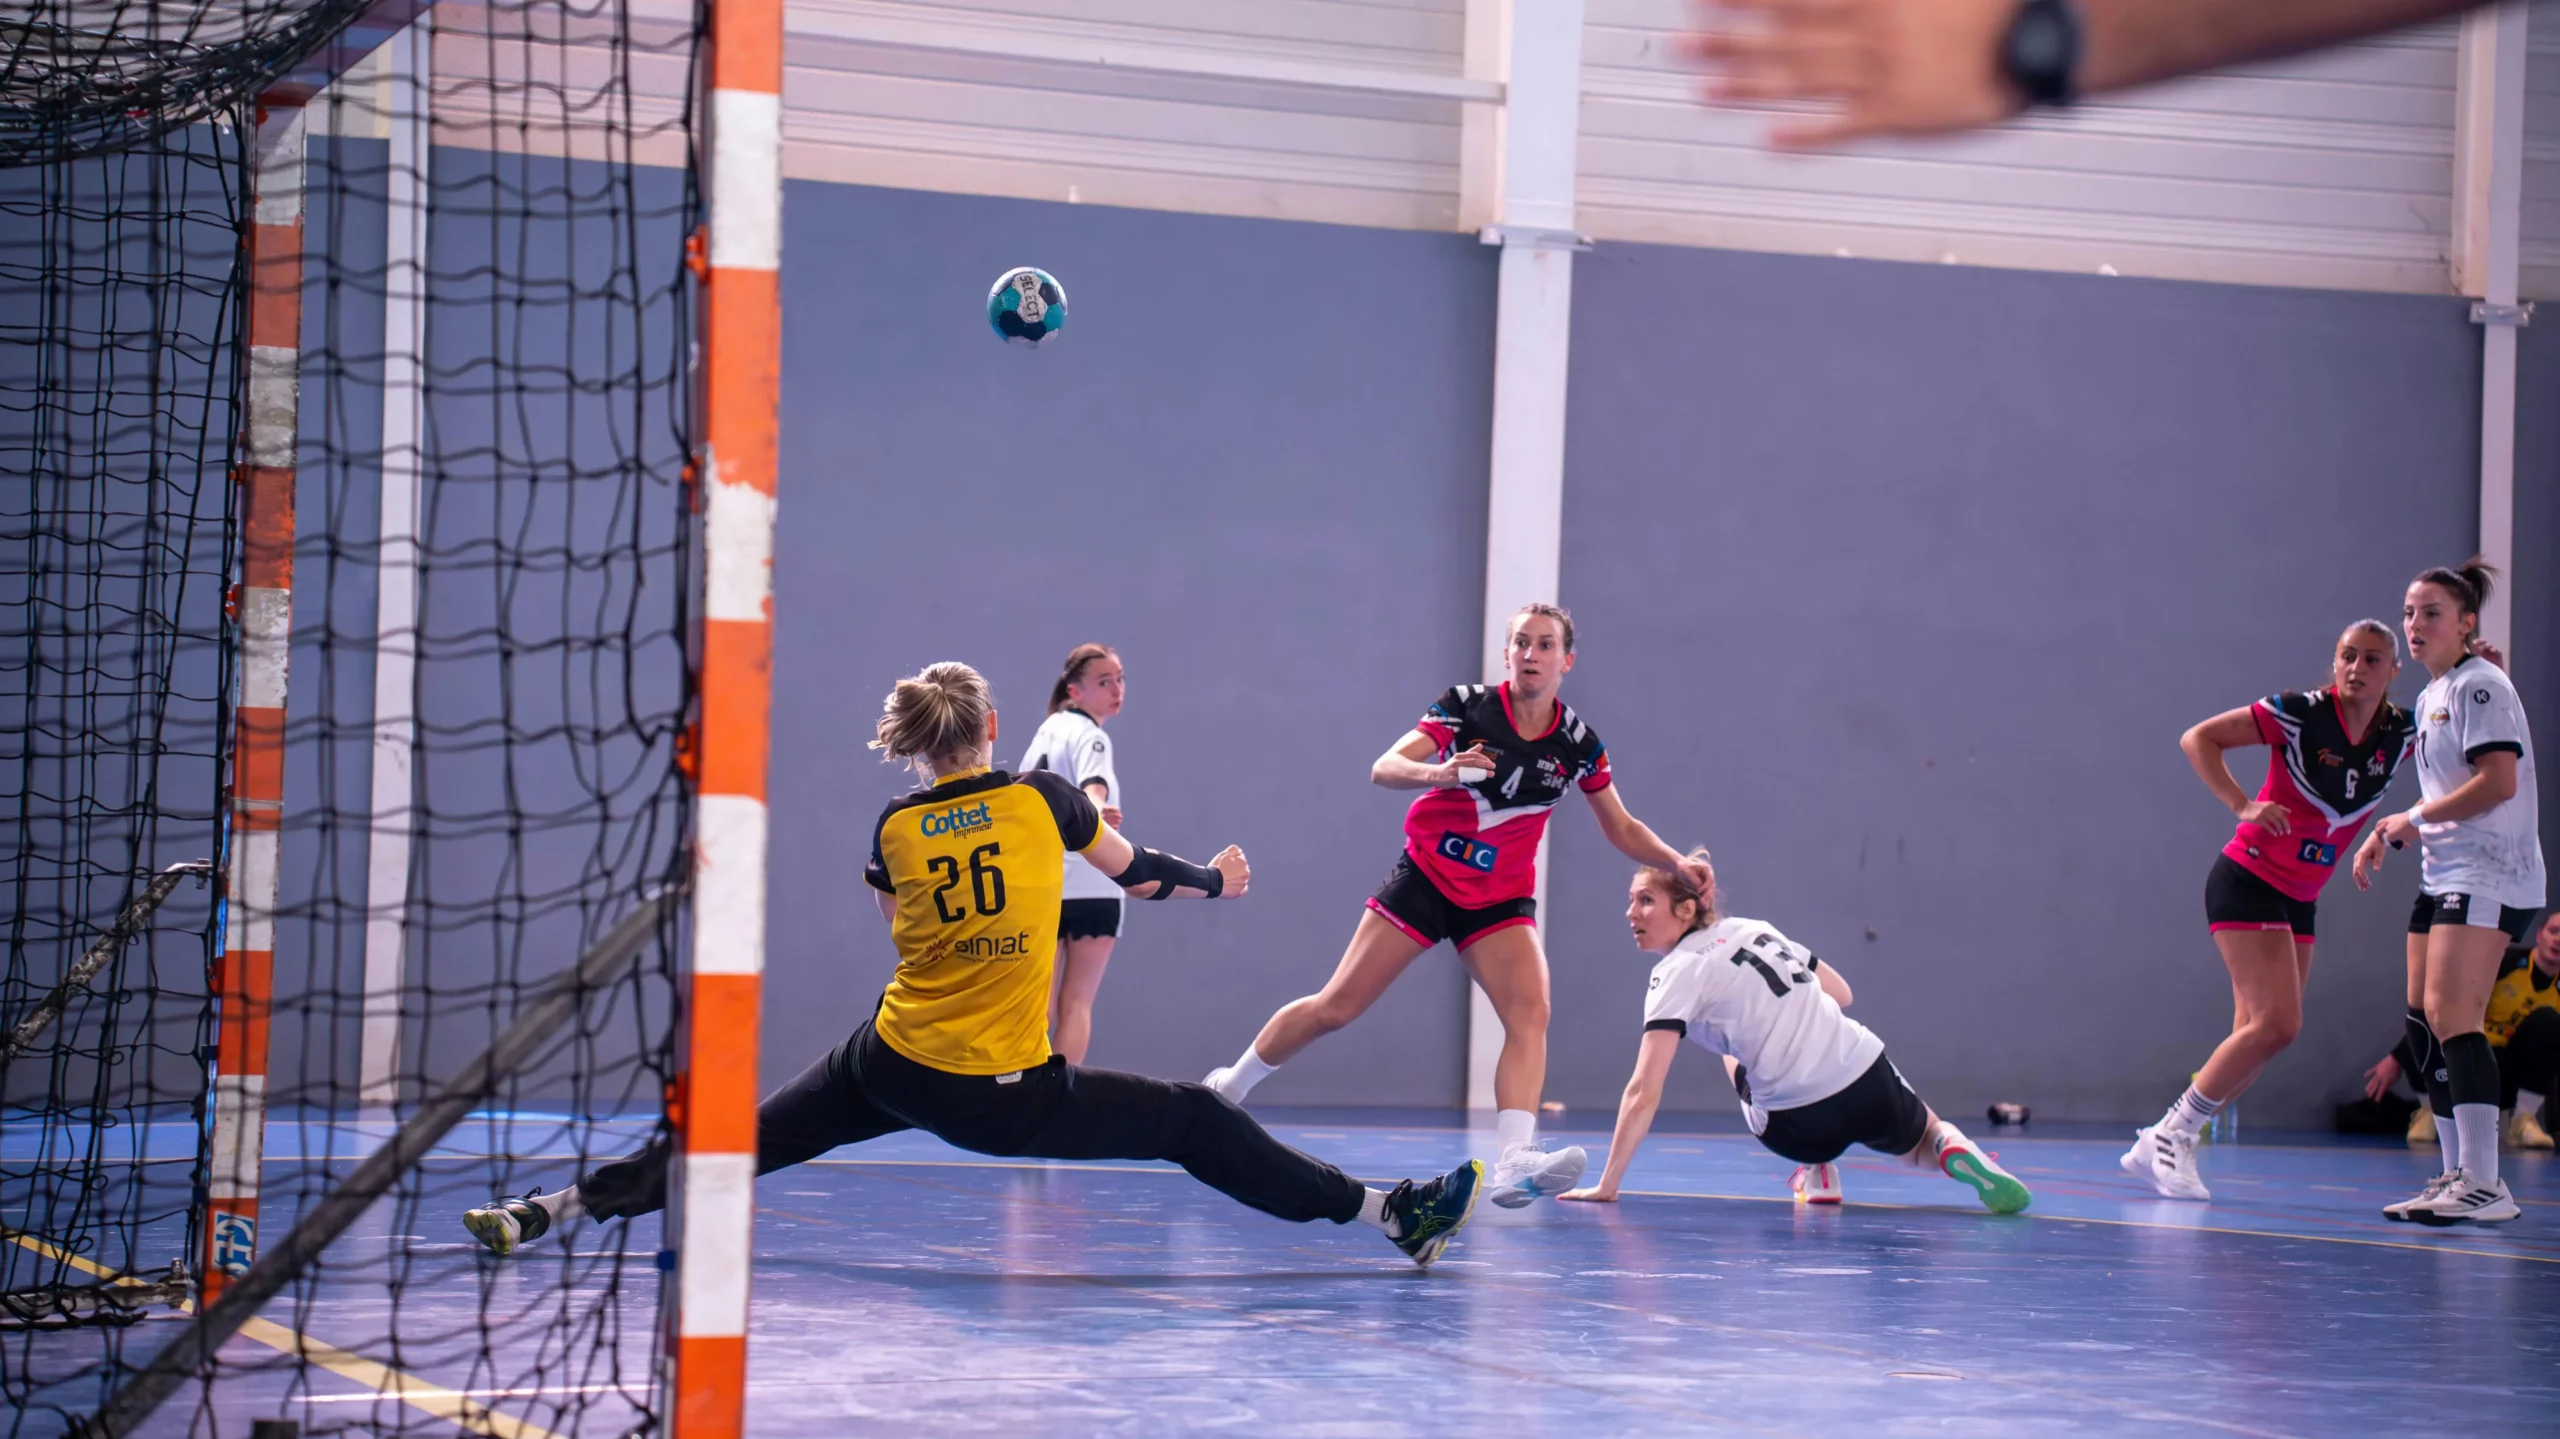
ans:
(2040, 53)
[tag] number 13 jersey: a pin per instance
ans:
(1478, 843)
(1739, 987)
(976, 863)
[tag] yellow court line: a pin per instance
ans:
(1744, 1198)
(435, 1399)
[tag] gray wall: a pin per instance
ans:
(1255, 464)
(1899, 584)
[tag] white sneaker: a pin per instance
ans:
(1526, 1172)
(2467, 1201)
(2435, 1186)
(2165, 1160)
(1816, 1183)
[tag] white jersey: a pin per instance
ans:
(2472, 711)
(1071, 744)
(1741, 988)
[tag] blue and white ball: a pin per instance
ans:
(1027, 306)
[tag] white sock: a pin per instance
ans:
(562, 1205)
(1244, 1074)
(1514, 1129)
(2477, 1124)
(2190, 1112)
(2528, 1102)
(1373, 1211)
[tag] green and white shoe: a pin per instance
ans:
(504, 1224)
(2001, 1192)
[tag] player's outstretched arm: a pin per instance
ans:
(1918, 67)
(1409, 765)
(1152, 874)
(2204, 745)
(1636, 840)
(1635, 1114)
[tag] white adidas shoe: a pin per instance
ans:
(2165, 1160)
(2435, 1186)
(1816, 1184)
(1526, 1172)
(2467, 1201)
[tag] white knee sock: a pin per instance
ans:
(1241, 1076)
(1373, 1211)
(2477, 1125)
(2449, 1139)
(562, 1205)
(1514, 1128)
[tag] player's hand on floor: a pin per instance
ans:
(1230, 862)
(1590, 1194)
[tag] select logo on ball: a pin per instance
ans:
(1026, 305)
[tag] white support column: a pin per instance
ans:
(2487, 219)
(1538, 129)
(396, 585)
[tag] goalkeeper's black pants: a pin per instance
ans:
(864, 1089)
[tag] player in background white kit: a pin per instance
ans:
(1813, 1081)
(1091, 688)
(2480, 881)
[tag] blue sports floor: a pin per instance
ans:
(903, 1288)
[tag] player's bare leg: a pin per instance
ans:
(1513, 970)
(1378, 954)
(1072, 990)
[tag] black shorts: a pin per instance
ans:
(1877, 1110)
(2435, 909)
(2236, 899)
(1412, 903)
(1089, 918)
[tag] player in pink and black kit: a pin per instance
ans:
(2334, 753)
(1492, 762)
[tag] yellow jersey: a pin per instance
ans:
(2519, 991)
(977, 864)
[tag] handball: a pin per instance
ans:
(1026, 306)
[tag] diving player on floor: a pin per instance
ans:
(1813, 1081)
(968, 871)
(1492, 762)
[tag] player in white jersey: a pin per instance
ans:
(2480, 881)
(1813, 1081)
(1090, 689)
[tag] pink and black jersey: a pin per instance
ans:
(1478, 843)
(2326, 782)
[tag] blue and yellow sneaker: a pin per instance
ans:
(503, 1224)
(1426, 1215)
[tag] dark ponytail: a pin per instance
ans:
(2470, 583)
(1073, 670)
